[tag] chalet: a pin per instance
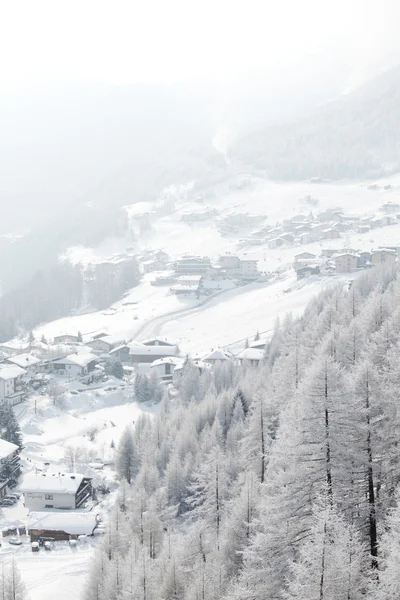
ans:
(287, 238)
(251, 356)
(121, 353)
(164, 367)
(12, 389)
(187, 284)
(14, 347)
(387, 220)
(382, 256)
(307, 271)
(346, 262)
(229, 262)
(317, 228)
(74, 365)
(303, 259)
(66, 338)
(390, 207)
(375, 222)
(29, 362)
(364, 260)
(303, 228)
(9, 454)
(363, 228)
(331, 234)
(61, 526)
(192, 265)
(161, 256)
(216, 356)
(308, 238)
(305, 256)
(197, 364)
(56, 490)
(150, 350)
(149, 266)
(329, 252)
(168, 278)
(275, 243)
(395, 248)
(239, 219)
(332, 214)
(104, 345)
(248, 268)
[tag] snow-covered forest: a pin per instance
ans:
(277, 482)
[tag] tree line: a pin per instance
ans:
(58, 291)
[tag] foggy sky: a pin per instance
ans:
(177, 40)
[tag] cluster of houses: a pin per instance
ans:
(56, 503)
(328, 225)
(198, 275)
(86, 362)
(346, 260)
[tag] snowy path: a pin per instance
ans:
(154, 326)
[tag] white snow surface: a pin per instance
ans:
(6, 448)
(49, 483)
(70, 522)
(11, 372)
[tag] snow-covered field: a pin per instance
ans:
(229, 320)
(126, 317)
(59, 574)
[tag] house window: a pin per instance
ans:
(168, 369)
(48, 497)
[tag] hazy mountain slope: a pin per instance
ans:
(355, 136)
(72, 154)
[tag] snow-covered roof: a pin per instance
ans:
(387, 250)
(168, 360)
(80, 360)
(304, 255)
(7, 448)
(185, 287)
(197, 363)
(15, 345)
(142, 350)
(52, 483)
(118, 348)
(251, 354)
(70, 522)
(191, 278)
(346, 254)
(110, 340)
(11, 372)
(217, 354)
(260, 344)
(24, 360)
(161, 341)
(66, 335)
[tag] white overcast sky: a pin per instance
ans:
(178, 40)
